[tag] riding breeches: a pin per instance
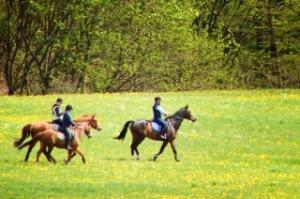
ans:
(68, 133)
(162, 123)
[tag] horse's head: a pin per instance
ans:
(88, 131)
(186, 114)
(94, 123)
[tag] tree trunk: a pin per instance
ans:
(275, 73)
(273, 46)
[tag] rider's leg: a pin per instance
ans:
(69, 134)
(164, 127)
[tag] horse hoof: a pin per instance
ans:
(155, 158)
(137, 158)
(177, 160)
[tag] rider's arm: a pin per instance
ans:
(72, 122)
(57, 111)
(162, 111)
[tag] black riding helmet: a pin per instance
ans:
(69, 107)
(59, 100)
(156, 99)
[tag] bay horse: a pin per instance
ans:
(34, 128)
(140, 129)
(50, 139)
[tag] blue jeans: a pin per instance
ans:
(68, 134)
(162, 123)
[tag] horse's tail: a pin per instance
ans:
(32, 141)
(26, 130)
(122, 134)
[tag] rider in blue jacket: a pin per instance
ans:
(158, 112)
(67, 123)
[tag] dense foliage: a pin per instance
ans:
(109, 46)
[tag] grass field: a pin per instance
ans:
(245, 144)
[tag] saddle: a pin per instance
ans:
(59, 130)
(56, 127)
(156, 127)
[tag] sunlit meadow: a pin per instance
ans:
(245, 144)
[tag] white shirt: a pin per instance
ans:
(161, 110)
(56, 115)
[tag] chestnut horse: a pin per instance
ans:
(50, 139)
(34, 128)
(140, 129)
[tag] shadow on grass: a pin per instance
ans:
(129, 160)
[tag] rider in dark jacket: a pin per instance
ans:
(67, 123)
(158, 112)
(57, 113)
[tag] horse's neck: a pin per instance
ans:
(82, 119)
(79, 131)
(176, 121)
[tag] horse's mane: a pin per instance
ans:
(83, 118)
(179, 112)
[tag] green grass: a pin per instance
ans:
(245, 144)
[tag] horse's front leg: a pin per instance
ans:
(162, 148)
(49, 154)
(73, 155)
(69, 157)
(172, 143)
(82, 156)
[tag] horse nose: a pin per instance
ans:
(99, 128)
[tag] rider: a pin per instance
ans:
(67, 123)
(158, 111)
(57, 113)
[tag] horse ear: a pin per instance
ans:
(186, 107)
(93, 116)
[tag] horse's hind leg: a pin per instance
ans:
(162, 148)
(136, 141)
(29, 151)
(136, 148)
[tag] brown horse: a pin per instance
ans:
(140, 129)
(34, 128)
(50, 139)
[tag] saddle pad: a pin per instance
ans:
(56, 127)
(156, 127)
(59, 130)
(61, 136)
